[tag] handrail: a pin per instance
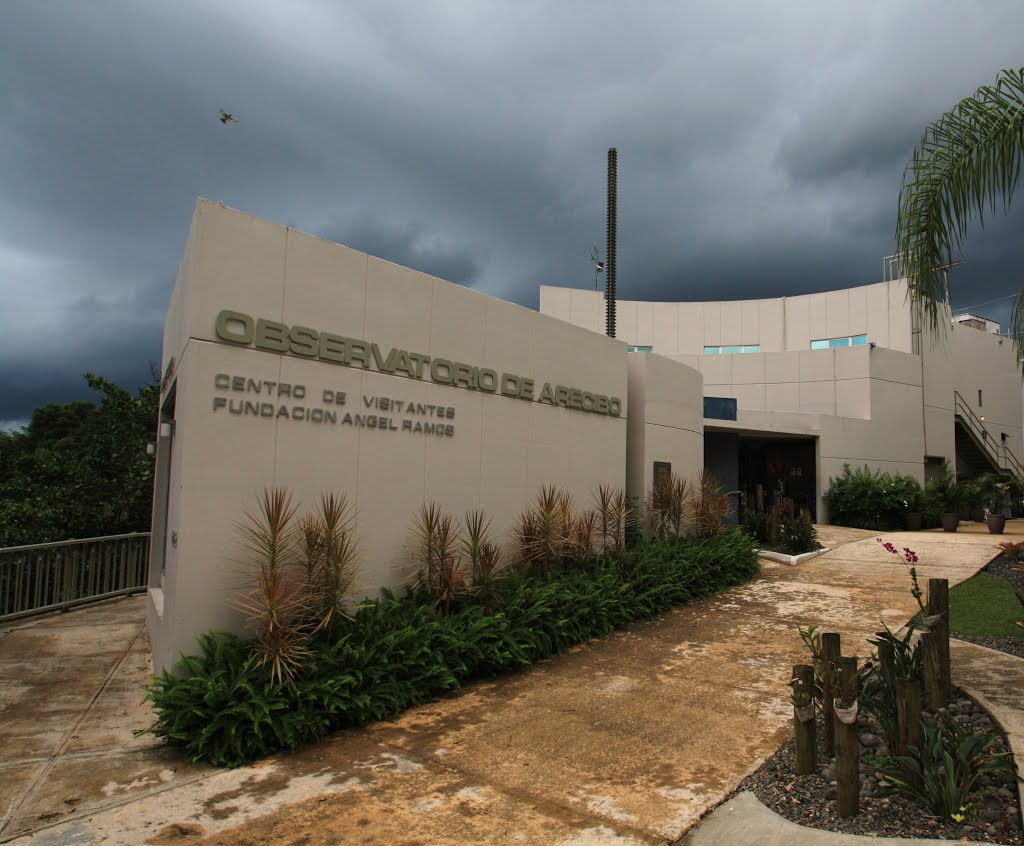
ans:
(1009, 460)
(42, 577)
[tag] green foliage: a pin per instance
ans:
(944, 770)
(997, 492)
(396, 652)
(878, 689)
(755, 524)
(966, 160)
(866, 499)
(797, 535)
(943, 495)
(79, 470)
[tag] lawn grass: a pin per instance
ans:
(985, 605)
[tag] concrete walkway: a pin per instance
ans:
(627, 740)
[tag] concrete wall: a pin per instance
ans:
(880, 311)
(788, 377)
(833, 381)
(666, 421)
(501, 448)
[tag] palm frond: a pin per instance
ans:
(965, 163)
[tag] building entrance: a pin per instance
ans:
(770, 468)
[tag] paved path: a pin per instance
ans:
(627, 740)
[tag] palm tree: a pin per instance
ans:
(965, 162)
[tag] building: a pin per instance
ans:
(293, 362)
(817, 381)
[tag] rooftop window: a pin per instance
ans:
(632, 348)
(732, 350)
(834, 343)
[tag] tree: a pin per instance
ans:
(966, 162)
(80, 470)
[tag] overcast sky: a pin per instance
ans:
(760, 149)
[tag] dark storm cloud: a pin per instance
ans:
(760, 149)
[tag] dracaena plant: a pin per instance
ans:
(670, 504)
(483, 555)
(274, 599)
(437, 552)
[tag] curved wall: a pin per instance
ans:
(781, 324)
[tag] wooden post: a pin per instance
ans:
(847, 740)
(938, 607)
(830, 651)
(908, 715)
(886, 661)
(932, 685)
(803, 719)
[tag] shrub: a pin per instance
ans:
(943, 771)
(866, 499)
(797, 535)
(755, 524)
(711, 506)
(230, 709)
(616, 518)
(1014, 551)
(437, 553)
(943, 495)
(483, 554)
(669, 504)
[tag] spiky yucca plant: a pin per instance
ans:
(711, 506)
(966, 160)
(669, 505)
(332, 573)
(274, 599)
(582, 530)
(614, 518)
(483, 555)
(542, 533)
(437, 554)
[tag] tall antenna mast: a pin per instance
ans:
(609, 299)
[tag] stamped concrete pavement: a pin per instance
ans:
(626, 740)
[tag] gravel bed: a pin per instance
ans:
(1014, 576)
(812, 800)
(1008, 572)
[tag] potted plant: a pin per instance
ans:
(913, 518)
(977, 499)
(945, 495)
(997, 491)
(952, 502)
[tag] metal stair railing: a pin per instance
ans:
(56, 576)
(1001, 456)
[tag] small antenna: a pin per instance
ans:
(595, 257)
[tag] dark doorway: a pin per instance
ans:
(770, 467)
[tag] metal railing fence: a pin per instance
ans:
(53, 576)
(998, 453)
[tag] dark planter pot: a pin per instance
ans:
(950, 522)
(913, 521)
(978, 515)
(996, 523)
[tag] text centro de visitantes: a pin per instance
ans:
(234, 327)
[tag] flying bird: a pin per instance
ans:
(225, 118)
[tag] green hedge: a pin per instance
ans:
(397, 653)
(867, 499)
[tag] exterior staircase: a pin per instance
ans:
(977, 447)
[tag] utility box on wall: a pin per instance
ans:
(291, 361)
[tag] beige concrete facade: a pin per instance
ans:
(889, 403)
(666, 421)
(236, 421)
